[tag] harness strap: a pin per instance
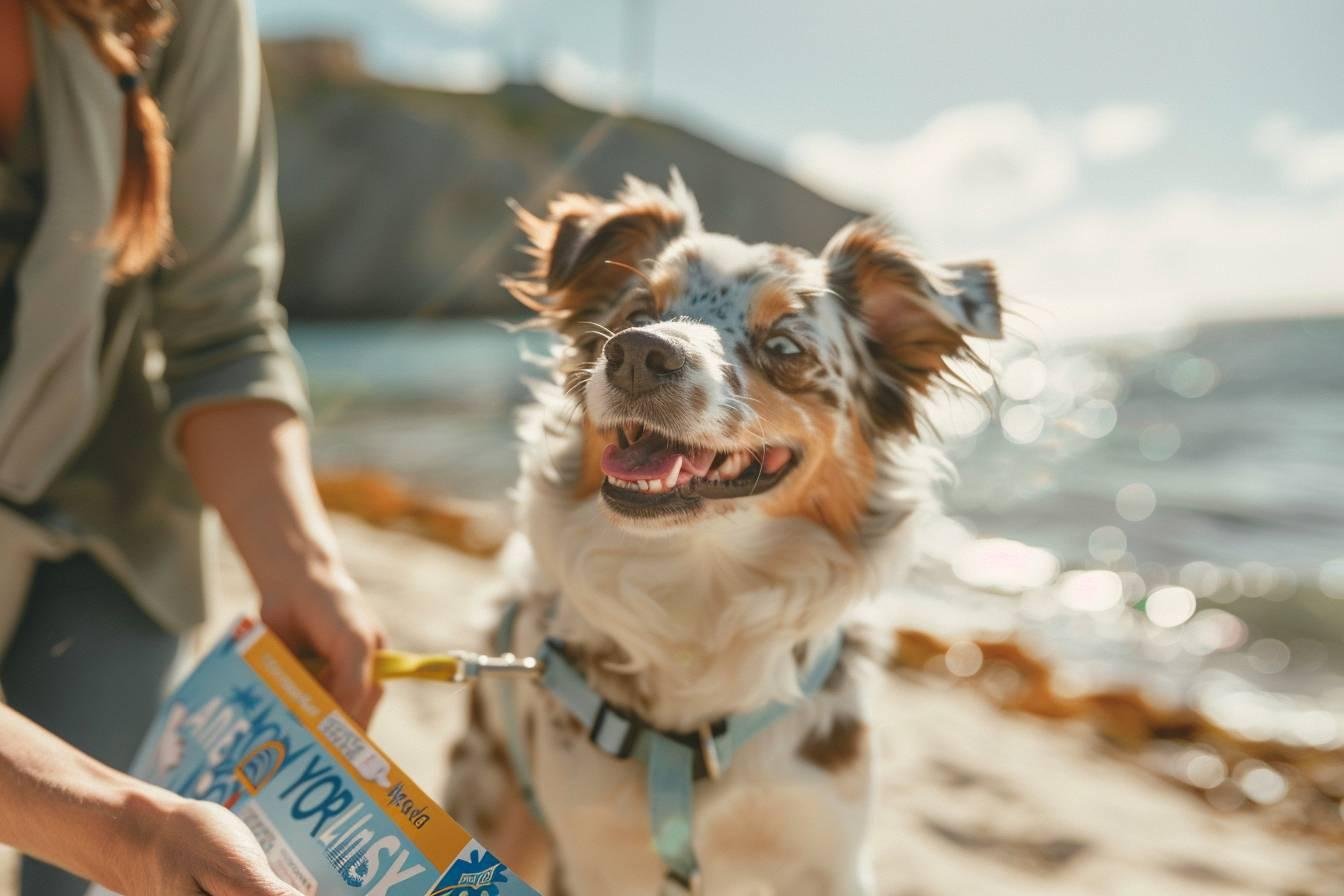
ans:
(675, 760)
(513, 735)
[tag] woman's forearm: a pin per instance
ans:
(62, 807)
(250, 460)
(58, 805)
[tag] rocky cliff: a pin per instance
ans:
(393, 197)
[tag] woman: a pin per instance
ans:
(144, 369)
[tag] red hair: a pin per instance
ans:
(121, 34)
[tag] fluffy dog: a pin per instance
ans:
(726, 458)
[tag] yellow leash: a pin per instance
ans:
(454, 667)
(389, 664)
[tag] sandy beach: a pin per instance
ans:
(972, 800)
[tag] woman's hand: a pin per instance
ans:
(63, 807)
(324, 615)
(191, 848)
(249, 460)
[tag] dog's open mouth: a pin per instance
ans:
(650, 473)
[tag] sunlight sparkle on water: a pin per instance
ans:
(1159, 441)
(1192, 377)
(1095, 418)
(1107, 544)
(1022, 423)
(1332, 578)
(1214, 630)
(1260, 782)
(1269, 656)
(1170, 606)
(1205, 769)
(1002, 564)
(963, 658)
(1201, 577)
(1093, 591)
(1136, 501)
(1023, 379)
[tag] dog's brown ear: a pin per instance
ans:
(916, 315)
(587, 250)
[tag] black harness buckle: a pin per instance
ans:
(615, 731)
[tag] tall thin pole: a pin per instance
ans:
(638, 40)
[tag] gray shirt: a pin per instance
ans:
(98, 378)
(21, 190)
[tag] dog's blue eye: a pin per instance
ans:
(640, 319)
(782, 345)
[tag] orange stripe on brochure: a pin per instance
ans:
(441, 839)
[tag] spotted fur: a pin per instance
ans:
(717, 610)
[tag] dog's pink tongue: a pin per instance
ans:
(652, 456)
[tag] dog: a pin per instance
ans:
(725, 462)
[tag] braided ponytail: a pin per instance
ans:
(121, 33)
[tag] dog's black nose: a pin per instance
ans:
(639, 361)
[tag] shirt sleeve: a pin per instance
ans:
(221, 327)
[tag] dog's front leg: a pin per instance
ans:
(484, 797)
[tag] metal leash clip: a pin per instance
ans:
(508, 665)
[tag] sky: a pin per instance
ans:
(1127, 165)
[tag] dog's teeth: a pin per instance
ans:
(732, 466)
(643, 485)
(655, 486)
(671, 481)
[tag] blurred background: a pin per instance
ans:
(1151, 491)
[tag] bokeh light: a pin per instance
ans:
(1107, 544)
(1201, 577)
(964, 658)
(1092, 591)
(1269, 656)
(1136, 501)
(1260, 782)
(1170, 606)
(1193, 377)
(1023, 379)
(1096, 418)
(1331, 578)
(1005, 565)
(1205, 769)
(1159, 441)
(1022, 423)
(1257, 578)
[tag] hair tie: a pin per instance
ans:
(128, 82)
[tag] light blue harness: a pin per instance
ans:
(675, 761)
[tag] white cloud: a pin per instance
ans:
(983, 164)
(996, 180)
(1177, 258)
(467, 70)
(1122, 130)
(573, 77)
(460, 12)
(1306, 160)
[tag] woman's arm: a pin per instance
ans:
(58, 805)
(235, 394)
(250, 460)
